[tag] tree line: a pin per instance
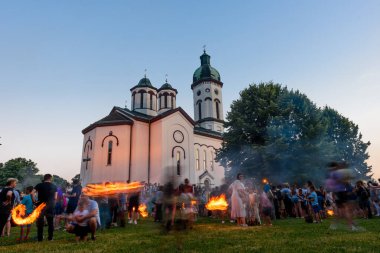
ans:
(280, 134)
(26, 171)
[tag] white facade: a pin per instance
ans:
(155, 141)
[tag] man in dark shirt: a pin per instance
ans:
(47, 193)
(74, 197)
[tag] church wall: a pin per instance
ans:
(156, 148)
(98, 169)
(140, 143)
(166, 136)
(87, 150)
(207, 144)
(177, 125)
(118, 169)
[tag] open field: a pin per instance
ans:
(208, 235)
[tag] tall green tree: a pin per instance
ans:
(19, 168)
(348, 143)
(246, 125)
(59, 181)
(280, 134)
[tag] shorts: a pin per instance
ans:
(81, 230)
(316, 208)
(133, 203)
(267, 211)
(340, 198)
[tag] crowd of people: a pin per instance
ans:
(341, 197)
(177, 206)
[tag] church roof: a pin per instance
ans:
(124, 116)
(112, 119)
(207, 133)
(170, 112)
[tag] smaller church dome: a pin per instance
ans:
(167, 86)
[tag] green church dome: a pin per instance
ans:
(205, 71)
(145, 82)
(167, 86)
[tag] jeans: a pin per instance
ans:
(49, 214)
(3, 220)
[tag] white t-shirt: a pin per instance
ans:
(81, 213)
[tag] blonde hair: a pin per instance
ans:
(11, 180)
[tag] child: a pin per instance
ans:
(254, 216)
(27, 201)
(297, 199)
(313, 198)
(81, 229)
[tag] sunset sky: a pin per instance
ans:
(65, 64)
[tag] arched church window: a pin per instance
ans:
(109, 153)
(197, 159)
(178, 163)
(151, 101)
(204, 160)
(217, 109)
(207, 184)
(166, 101)
(200, 110)
(172, 102)
(212, 161)
(141, 100)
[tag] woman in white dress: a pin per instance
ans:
(239, 195)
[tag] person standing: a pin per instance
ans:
(238, 197)
(266, 208)
(73, 196)
(47, 193)
(158, 200)
(7, 199)
(28, 202)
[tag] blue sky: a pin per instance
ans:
(65, 64)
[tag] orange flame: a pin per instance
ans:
(97, 190)
(330, 212)
(193, 202)
(265, 181)
(217, 203)
(143, 211)
(18, 214)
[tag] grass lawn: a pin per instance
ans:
(209, 235)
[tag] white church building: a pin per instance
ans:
(155, 140)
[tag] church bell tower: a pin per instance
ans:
(207, 96)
